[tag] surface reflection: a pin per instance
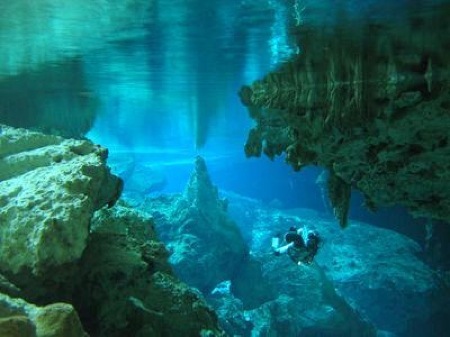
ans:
(185, 73)
(45, 31)
(165, 73)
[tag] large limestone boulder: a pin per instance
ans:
(49, 190)
(206, 246)
(21, 319)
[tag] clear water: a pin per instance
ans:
(165, 74)
(163, 78)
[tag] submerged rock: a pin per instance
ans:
(255, 294)
(379, 272)
(303, 300)
(205, 244)
(361, 274)
(127, 287)
(21, 319)
(49, 190)
(61, 240)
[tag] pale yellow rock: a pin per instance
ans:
(22, 319)
(58, 320)
(49, 192)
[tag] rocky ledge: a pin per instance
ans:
(371, 107)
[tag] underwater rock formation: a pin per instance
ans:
(375, 270)
(303, 299)
(368, 101)
(305, 303)
(21, 319)
(127, 287)
(258, 294)
(205, 244)
(64, 244)
(49, 189)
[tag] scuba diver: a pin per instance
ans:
(300, 244)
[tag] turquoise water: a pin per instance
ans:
(156, 82)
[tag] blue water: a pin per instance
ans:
(171, 93)
(165, 77)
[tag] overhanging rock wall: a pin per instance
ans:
(371, 103)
